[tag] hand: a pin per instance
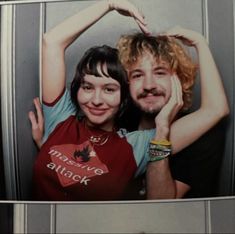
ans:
(188, 37)
(37, 123)
(126, 8)
(175, 103)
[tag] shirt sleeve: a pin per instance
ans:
(57, 112)
(139, 140)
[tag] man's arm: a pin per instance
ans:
(186, 130)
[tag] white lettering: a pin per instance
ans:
(99, 171)
(84, 180)
(68, 174)
(76, 176)
(51, 165)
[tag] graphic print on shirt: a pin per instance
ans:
(75, 163)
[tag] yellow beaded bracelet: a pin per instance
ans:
(161, 142)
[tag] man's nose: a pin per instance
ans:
(148, 83)
(97, 98)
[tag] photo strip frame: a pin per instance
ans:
(22, 26)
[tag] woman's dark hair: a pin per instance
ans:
(94, 58)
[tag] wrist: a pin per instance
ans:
(201, 42)
(159, 150)
(162, 133)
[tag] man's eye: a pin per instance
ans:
(160, 73)
(136, 76)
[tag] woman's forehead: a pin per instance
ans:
(100, 80)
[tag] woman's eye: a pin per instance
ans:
(109, 90)
(86, 87)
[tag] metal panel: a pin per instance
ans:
(27, 83)
(6, 218)
(40, 218)
(7, 100)
(19, 84)
(223, 216)
(151, 217)
(221, 34)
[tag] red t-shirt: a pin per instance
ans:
(69, 168)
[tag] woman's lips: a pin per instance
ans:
(97, 111)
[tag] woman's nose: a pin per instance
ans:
(97, 98)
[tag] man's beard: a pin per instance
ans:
(150, 111)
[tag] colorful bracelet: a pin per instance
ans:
(159, 150)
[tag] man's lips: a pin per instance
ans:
(151, 98)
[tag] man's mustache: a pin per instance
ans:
(154, 92)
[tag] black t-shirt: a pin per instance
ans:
(198, 165)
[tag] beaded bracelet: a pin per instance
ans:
(159, 150)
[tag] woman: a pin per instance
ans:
(85, 158)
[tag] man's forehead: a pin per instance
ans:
(149, 60)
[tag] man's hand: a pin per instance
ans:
(164, 119)
(37, 123)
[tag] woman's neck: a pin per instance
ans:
(107, 127)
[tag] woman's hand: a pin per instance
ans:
(188, 37)
(37, 123)
(126, 8)
(166, 116)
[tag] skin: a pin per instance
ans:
(150, 83)
(99, 99)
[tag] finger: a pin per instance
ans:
(139, 17)
(143, 28)
(173, 90)
(33, 120)
(179, 92)
(39, 111)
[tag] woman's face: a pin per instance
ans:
(99, 98)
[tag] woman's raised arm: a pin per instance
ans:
(56, 40)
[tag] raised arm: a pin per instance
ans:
(186, 130)
(214, 104)
(61, 36)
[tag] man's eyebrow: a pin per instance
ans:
(161, 67)
(135, 70)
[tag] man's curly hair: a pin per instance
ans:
(163, 48)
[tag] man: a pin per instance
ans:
(157, 68)
(149, 63)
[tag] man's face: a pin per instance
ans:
(150, 83)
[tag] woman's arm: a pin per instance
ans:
(61, 36)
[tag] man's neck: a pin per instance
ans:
(146, 122)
